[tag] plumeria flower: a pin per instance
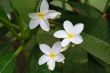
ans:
(71, 34)
(51, 55)
(41, 18)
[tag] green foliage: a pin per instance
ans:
(7, 63)
(92, 56)
(7, 59)
(24, 7)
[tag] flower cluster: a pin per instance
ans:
(70, 34)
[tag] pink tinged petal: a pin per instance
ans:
(33, 16)
(51, 64)
(45, 49)
(43, 59)
(33, 23)
(77, 39)
(68, 26)
(60, 57)
(65, 42)
(78, 28)
(57, 47)
(60, 34)
(44, 6)
(51, 14)
(44, 24)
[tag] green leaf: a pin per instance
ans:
(6, 5)
(24, 7)
(75, 60)
(94, 65)
(96, 47)
(7, 63)
(7, 59)
(99, 4)
(86, 10)
(62, 4)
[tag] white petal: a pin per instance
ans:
(68, 26)
(51, 64)
(33, 23)
(43, 59)
(65, 42)
(77, 39)
(78, 28)
(51, 14)
(64, 48)
(60, 57)
(44, 24)
(57, 47)
(60, 34)
(44, 6)
(9, 16)
(45, 49)
(33, 15)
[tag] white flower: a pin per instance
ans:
(41, 18)
(70, 34)
(51, 55)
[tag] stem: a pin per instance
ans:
(106, 6)
(18, 50)
(9, 26)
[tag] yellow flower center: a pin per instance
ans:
(52, 55)
(70, 36)
(41, 15)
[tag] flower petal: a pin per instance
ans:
(77, 39)
(45, 49)
(68, 26)
(51, 14)
(9, 16)
(57, 47)
(51, 64)
(33, 15)
(44, 24)
(43, 59)
(60, 34)
(33, 23)
(60, 57)
(65, 42)
(44, 6)
(78, 28)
